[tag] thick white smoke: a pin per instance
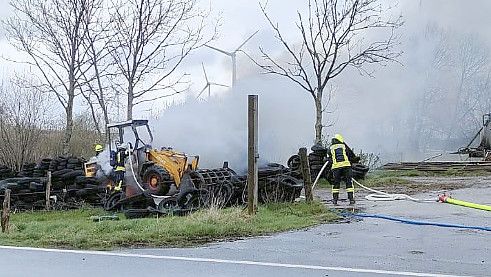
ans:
(216, 129)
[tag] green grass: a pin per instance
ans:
(74, 230)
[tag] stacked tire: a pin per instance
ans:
(359, 170)
(6, 172)
(26, 192)
(27, 170)
(277, 184)
(42, 168)
(64, 170)
(317, 158)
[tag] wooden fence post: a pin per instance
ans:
(252, 174)
(6, 211)
(307, 179)
(48, 192)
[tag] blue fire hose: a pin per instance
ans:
(415, 222)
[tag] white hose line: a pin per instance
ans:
(319, 175)
(383, 196)
(130, 157)
(376, 195)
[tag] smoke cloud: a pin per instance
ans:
(216, 129)
(406, 111)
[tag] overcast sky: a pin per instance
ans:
(240, 18)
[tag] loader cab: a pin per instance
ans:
(135, 132)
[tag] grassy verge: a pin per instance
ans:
(73, 229)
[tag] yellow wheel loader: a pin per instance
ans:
(159, 171)
(169, 179)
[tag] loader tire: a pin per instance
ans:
(157, 180)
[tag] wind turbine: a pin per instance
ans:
(233, 55)
(208, 84)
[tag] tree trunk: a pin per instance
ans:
(129, 115)
(67, 136)
(94, 117)
(318, 120)
(106, 121)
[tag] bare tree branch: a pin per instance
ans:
(152, 38)
(333, 37)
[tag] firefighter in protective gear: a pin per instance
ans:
(98, 149)
(340, 157)
(119, 167)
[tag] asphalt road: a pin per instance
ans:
(371, 247)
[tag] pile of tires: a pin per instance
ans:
(317, 158)
(26, 192)
(64, 170)
(42, 168)
(27, 170)
(277, 184)
(6, 172)
(68, 184)
(68, 173)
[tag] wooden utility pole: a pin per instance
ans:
(6, 211)
(48, 192)
(307, 179)
(253, 156)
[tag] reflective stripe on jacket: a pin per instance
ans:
(339, 156)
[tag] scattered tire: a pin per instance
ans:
(136, 213)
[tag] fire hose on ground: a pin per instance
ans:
(383, 196)
(376, 195)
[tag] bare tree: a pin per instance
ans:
(22, 118)
(96, 86)
(335, 35)
(470, 62)
(51, 32)
(152, 39)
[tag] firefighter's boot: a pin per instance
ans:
(335, 197)
(351, 198)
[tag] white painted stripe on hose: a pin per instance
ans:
(220, 261)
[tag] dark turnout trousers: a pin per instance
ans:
(342, 174)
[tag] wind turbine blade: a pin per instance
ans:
(216, 84)
(249, 38)
(219, 50)
(204, 71)
(207, 85)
